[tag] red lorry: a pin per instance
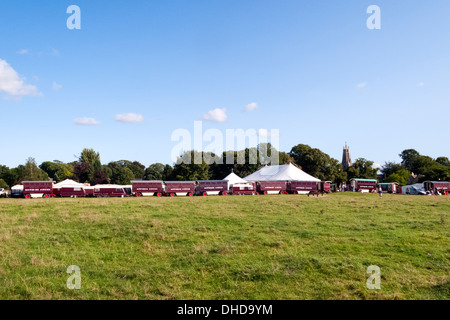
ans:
(147, 188)
(363, 185)
(302, 187)
(179, 188)
(443, 186)
(38, 189)
(212, 187)
(271, 187)
(107, 191)
(248, 188)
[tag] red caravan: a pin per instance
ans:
(212, 187)
(179, 188)
(37, 189)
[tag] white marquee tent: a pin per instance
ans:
(68, 184)
(233, 179)
(287, 172)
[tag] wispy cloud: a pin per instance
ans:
(216, 115)
(23, 51)
(56, 86)
(361, 85)
(13, 85)
(421, 84)
(86, 122)
(130, 118)
(251, 107)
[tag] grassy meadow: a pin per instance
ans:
(233, 247)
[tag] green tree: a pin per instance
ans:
(155, 172)
(410, 159)
(86, 166)
(187, 170)
(120, 174)
(31, 172)
(362, 169)
(57, 170)
(3, 185)
(317, 163)
(400, 176)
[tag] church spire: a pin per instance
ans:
(346, 158)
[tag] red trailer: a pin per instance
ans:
(441, 186)
(363, 185)
(248, 188)
(390, 187)
(109, 191)
(302, 187)
(271, 187)
(147, 188)
(71, 192)
(212, 187)
(325, 187)
(37, 189)
(179, 188)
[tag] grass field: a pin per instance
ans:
(234, 247)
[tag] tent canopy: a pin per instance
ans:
(233, 179)
(287, 172)
(68, 184)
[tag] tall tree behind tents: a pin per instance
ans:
(155, 172)
(86, 166)
(136, 167)
(362, 169)
(317, 163)
(31, 172)
(120, 174)
(3, 185)
(8, 176)
(57, 170)
(187, 170)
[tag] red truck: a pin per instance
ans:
(107, 191)
(212, 187)
(325, 187)
(302, 187)
(271, 187)
(439, 185)
(179, 188)
(147, 188)
(38, 189)
(363, 185)
(248, 188)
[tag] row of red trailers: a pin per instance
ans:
(33, 189)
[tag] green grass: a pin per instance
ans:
(234, 247)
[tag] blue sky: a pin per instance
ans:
(313, 68)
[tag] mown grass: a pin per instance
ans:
(235, 247)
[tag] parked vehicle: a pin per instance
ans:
(439, 185)
(324, 187)
(38, 189)
(302, 187)
(363, 185)
(390, 187)
(179, 188)
(248, 188)
(271, 187)
(144, 188)
(3, 193)
(107, 191)
(211, 187)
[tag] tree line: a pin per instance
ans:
(89, 169)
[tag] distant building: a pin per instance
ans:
(346, 158)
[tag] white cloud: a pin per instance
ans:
(421, 84)
(86, 122)
(56, 86)
(216, 115)
(130, 118)
(13, 85)
(361, 85)
(251, 107)
(23, 51)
